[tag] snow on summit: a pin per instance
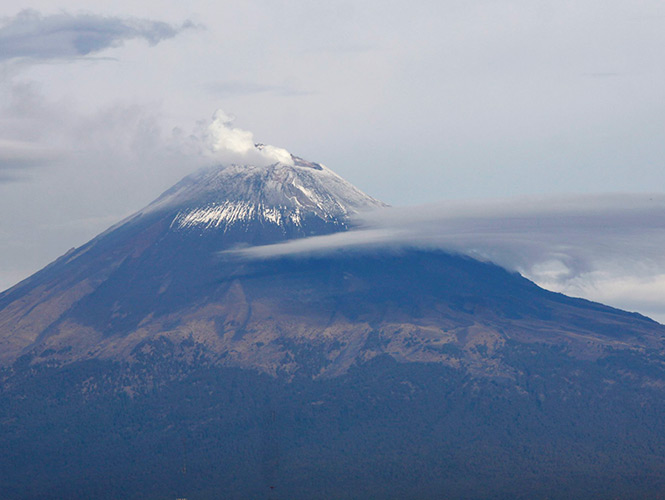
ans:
(278, 194)
(255, 182)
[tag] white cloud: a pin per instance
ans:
(226, 143)
(222, 136)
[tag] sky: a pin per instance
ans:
(103, 107)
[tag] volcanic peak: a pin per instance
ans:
(278, 194)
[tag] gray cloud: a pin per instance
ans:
(605, 74)
(80, 171)
(240, 88)
(31, 131)
(65, 36)
(16, 157)
(602, 247)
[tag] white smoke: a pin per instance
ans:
(227, 143)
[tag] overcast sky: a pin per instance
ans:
(414, 102)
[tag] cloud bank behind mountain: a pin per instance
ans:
(607, 248)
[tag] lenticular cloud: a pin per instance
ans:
(607, 248)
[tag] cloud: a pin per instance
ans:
(38, 134)
(602, 247)
(18, 156)
(80, 171)
(240, 88)
(31, 131)
(222, 142)
(31, 35)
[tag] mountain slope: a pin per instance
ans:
(152, 363)
(177, 236)
(163, 273)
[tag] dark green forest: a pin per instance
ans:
(159, 429)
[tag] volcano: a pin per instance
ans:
(156, 361)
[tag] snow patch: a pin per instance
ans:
(223, 216)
